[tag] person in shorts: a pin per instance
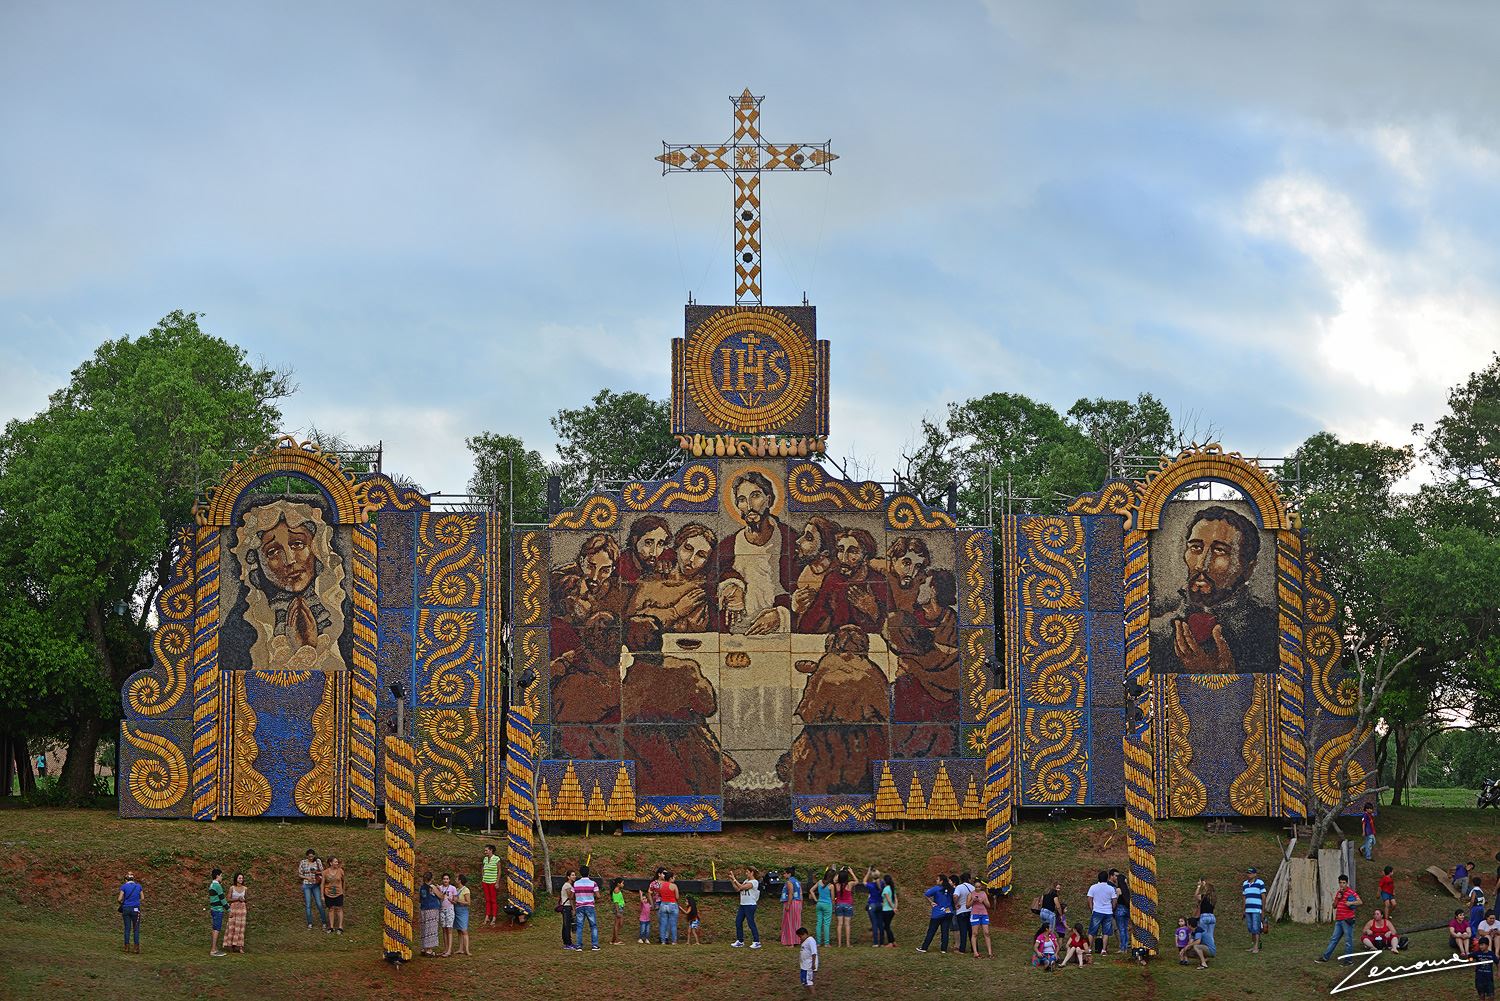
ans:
(807, 957)
(691, 914)
(979, 920)
(1388, 891)
(218, 903)
(1102, 896)
(1253, 889)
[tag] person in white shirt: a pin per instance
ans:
(749, 896)
(1102, 919)
(758, 563)
(584, 912)
(807, 962)
(961, 894)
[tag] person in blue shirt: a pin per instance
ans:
(872, 905)
(941, 895)
(791, 907)
(130, 910)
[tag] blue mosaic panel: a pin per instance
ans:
(394, 558)
(285, 705)
(155, 758)
(677, 815)
(1105, 562)
(1215, 737)
(1106, 658)
(394, 656)
(1107, 758)
(835, 814)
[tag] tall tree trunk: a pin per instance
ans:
(8, 770)
(1382, 756)
(83, 739)
(1398, 774)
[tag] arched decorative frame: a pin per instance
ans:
(217, 721)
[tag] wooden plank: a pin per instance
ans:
(1349, 864)
(1330, 864)
(1302, 877)
(1445, 880)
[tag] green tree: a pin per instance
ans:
(90, 490)
(1465, 443)
(617, 436)
(506, 470)
(1007, 444)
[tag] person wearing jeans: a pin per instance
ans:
(666, 909)
(1367, 827)
(1344, 902)
(130, 910)
(749, 897)
(310, 870)
(1050, 907)
(585, 890)
(1207, 920)
(941, 894)
(1122, 908)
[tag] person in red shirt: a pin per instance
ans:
(1344, 902)
(1388, 892)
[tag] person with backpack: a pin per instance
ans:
(1344, 903)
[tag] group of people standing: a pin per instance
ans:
(444, 910)
(832, 895)
(958, 904)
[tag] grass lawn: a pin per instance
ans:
(59, 932)
(1451, 798)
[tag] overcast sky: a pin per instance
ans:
(1277, 217)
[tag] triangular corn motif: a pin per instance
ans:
(944, 804)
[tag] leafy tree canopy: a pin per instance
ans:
(617, 436)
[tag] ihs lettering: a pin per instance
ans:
(745, 369)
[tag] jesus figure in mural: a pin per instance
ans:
(758, 563)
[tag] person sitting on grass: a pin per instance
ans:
(1458, 933)
(1488, 928)
(1379, 933)
(1190, 940)
(1044, 949)
(1078, 945)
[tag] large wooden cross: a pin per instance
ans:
(743, 157)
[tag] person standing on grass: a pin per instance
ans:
(692, 921)
(1483, 957)
(1388, 890)
(961, 910)
(565, 908)
(429, 903)
(843, 907)
(1253, 889)
(1207, 920)
(1344, 903)
(645, 918)
(749, 897)
(1476, 902)
(489, 882)
(807, 959)
(217, 905)
(979, 920)
(129, 899)
(310, 872)
(617, 898)
(667, 911)
(234, 925)
(333, 894)
(888, 906)
(941, 895)
(461, 905)
(1122, 908)
(791, 906)
(585, 914)
(448, 893)
(823, 905)
(1367, 827)
(872, 903)
(1101, 921)
(1051, 909)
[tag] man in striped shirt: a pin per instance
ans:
(490, 881)
(1254, 891)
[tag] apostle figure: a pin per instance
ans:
(851, 593)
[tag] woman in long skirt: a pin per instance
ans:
(791, 907)
(234, 928)
(431, 902)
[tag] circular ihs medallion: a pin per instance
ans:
(749, 369)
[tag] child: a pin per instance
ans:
(1044, 953)
(692, 920)
(1484, 970)
(807, 961)
(1388, 891)
(1078, 945)
(979, 920)
(617, 897)
(645, 918)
